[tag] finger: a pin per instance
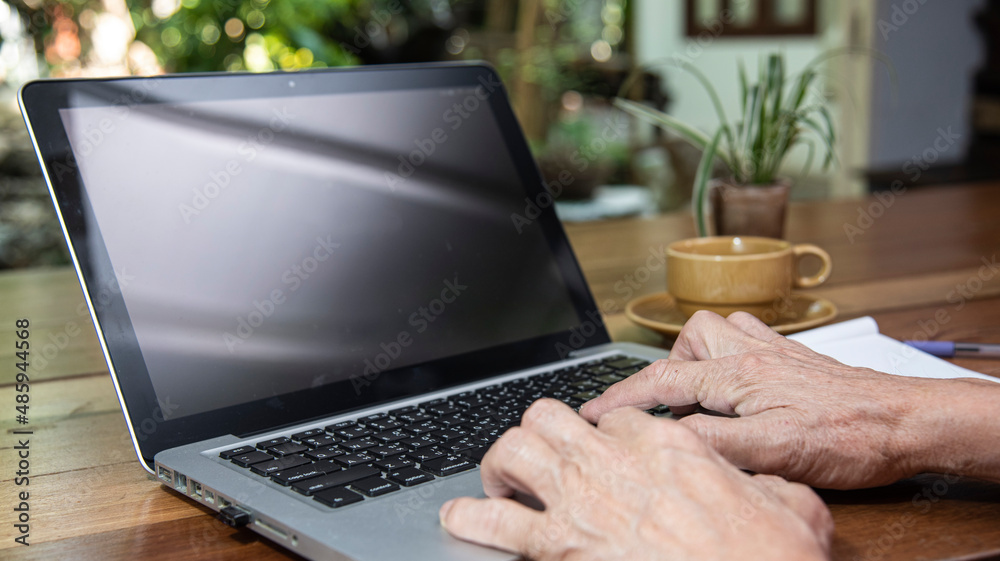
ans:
(747, 442)
(559, 426)
(707, 335)
(669, 382)
(522, 461)
(752, 326)
(501, 523)
(803, 501)
(628, 423)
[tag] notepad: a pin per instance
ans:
(857, 342)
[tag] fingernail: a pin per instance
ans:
(445, 509)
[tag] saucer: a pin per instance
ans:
(659, 312)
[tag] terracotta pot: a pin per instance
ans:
(749, 210)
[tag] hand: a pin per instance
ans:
(636, 487)
(805, 416)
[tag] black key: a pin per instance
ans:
(426, 454)
(357, 445)
(586, 396)
(383, 424)
(415, 417)
(447, 434)
(628, 362)
(419, 441)
(267, 468)
(307, 434)
(341, 425)
(351, 433)
(447, 465)
(476, 454)
(375, 417)
(404, 410)
(287, 449)
(443, 409)
(409, 476)
(451, 420)
(288, 476)
(388, 450)
(629, 371)
(599, 370)
(585, 384)
(335, 479)
(481, 413)
(227, 454)
(325, 453)
(273, 442)
(609, 378)
(392, 435)
(374, 486)
(352, 460)
(432, 403)
(473, 402)
(461, 444)
(320, 441)
(422, 428)
(338, 497)
(393, 463)
(255, 457)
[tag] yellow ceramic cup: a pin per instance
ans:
(726, 274)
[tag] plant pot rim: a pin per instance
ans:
(730, 182)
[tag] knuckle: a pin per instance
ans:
(540, 411)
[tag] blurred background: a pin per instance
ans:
(924, 110)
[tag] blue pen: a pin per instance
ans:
(948, 349)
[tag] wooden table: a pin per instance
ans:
(90, 499)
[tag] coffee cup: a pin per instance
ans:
(725, 274)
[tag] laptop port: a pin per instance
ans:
(165, 474)
(223, 502)
(196, 489)
(181, 482)
(273, 529)
(209, 497)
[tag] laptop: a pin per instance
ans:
(321, 295)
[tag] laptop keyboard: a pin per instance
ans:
(346, 462)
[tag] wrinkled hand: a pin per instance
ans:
(635, 487)
(802, 415)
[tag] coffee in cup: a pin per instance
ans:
(726, 274)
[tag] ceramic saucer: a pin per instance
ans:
(659, 312)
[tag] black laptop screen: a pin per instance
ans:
(308, 240)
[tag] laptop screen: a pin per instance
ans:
(277, 240)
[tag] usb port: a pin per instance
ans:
(209, 497)
(196, 489)
(181, 482)
(165, 474)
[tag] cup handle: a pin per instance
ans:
(800, 251)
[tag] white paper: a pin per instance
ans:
(857, 342)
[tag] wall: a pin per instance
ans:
(935, 50)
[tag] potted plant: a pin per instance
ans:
(775, 113)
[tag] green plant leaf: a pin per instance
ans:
(661, 119)
(701, 184)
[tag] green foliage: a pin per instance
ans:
(256, 35)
